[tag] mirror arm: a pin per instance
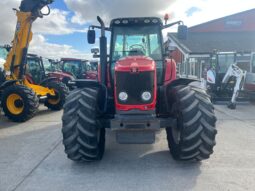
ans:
(99, 27)
(172, 24)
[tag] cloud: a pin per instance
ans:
(7, 25)
(56, 24)
(87, 10)
(40, 46)
(208, 9)
(192, 10)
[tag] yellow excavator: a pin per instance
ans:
(19, 98)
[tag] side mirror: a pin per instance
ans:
(182, 32)
(91, 37)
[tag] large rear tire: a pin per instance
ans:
(194, 136)
(19, 103)
(61, 91)
(83, 135)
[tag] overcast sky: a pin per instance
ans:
(62, 34)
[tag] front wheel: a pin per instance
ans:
(194, 136)
(19, 103)
(83, 135)
(58, 101)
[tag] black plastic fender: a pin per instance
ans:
(181, 81)
(163, 97)
(83, 83)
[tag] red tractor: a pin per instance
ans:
(81, 69)
(136, 96)
(41, 70)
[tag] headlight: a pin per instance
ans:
(123, 96)
(146, 96)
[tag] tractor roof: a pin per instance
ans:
(72, 59)
(136, 21)
(32, 56)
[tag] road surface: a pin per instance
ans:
(32, 159)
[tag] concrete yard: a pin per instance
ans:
(32, 158)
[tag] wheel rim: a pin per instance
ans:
(15, 104)
(54, 101)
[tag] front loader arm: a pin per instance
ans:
(22, 38)
(29, 11)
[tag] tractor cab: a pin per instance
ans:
(138, 38)
(41, 70)
(76, 67)
(35, 71)
(135, 38)
(136, 67)
(51, 65)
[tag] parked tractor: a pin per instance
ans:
(19, 97)
(137, 95)
(81, 69)
(51, 65)
(40, 70)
